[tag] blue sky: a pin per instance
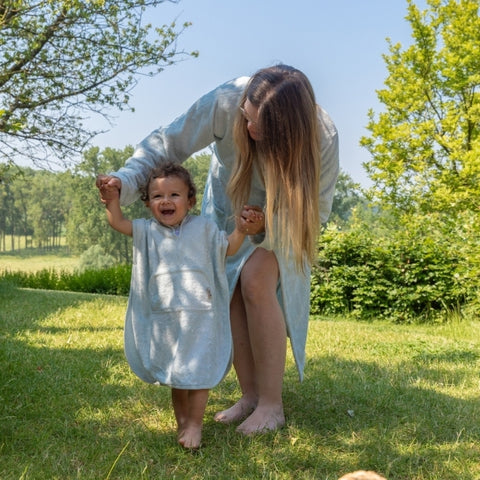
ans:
(338, 44)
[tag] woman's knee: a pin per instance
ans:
(259, 278)
(253, 291)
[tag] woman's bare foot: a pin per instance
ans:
(190, 437)
(237, 412)
(263, 419)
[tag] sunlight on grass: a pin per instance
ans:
(79, 326)
(36, 263)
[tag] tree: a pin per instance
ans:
(61, 61)
(48, 204)
(15, 201)
(33, 203)
(425, 146)
(7, 215)
(347, 196)
(425, 149)
(87, 223)
(198, 166)
(22, 193)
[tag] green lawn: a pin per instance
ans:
(401, 400)
(33, 261)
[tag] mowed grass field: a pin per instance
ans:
(36, 262)
(34, 259)
(403, 400)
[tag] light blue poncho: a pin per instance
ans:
(209, 121)
(177, 326)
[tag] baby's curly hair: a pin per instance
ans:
(170, 169)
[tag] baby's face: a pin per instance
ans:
(168, 200)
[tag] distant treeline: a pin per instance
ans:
(44, 209)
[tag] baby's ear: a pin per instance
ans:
(147, 203)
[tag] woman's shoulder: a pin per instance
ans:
(229, 93)
(326, 123)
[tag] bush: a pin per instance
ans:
(112, 281)
(95, 258)
(412, 274)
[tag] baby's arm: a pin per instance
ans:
(235, 240)
(111, 198)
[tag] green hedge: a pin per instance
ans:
(111, 281)
(407, 276)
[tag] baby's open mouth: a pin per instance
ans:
(168, 212)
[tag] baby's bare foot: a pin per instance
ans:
(237, 412)
(190, 437)
(263, 419)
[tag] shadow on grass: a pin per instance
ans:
(67, 408)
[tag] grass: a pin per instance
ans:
(401, 400)
(33, 260)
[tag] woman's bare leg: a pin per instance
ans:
(260, 346)
(268, 340)
(243, 363)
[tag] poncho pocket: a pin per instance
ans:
(175, 290)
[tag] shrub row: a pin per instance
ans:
(111, 281)
(405, 277)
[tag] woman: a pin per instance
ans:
(274, 147)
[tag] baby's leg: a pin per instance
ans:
(190, 435)
(180, 408)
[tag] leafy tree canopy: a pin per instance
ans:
(425, 145)
(62, 61)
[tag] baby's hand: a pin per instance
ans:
(108, 193)
(107, 185)
(251, 221)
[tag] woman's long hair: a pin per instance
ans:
(287, 156)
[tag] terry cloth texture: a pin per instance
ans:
(177, 327)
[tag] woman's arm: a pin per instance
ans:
(202, 124)
(329, 163)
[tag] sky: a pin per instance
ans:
(337, 44)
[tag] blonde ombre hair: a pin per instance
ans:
(287, 157)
